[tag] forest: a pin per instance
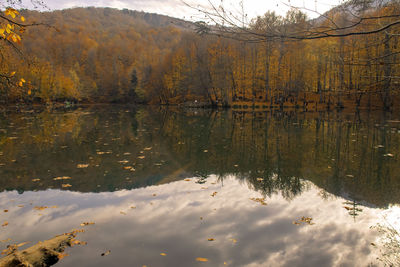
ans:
(97, 55)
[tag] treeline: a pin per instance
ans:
(96, 55)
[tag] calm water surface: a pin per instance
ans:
(231, 187)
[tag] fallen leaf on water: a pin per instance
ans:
(127, 154)
(214, 194)
(260, 179)
(350, 175)
(389, 155)
(147, 148)
(202, 259)
(133, 207)
(65, 185)
(205, 151)
(259, 200)
(163, 254)
(225, 263)
(61, 256)
(210, 239)
(40, 207)
(188, 180)
(106, 253)
(141, 157)
(5, 240)
(22, 244)
(233, 240)
(35, 180)
(123, 213)
(4, 224)
(123, 161)
(20, 206)
(204, 188)
(62, 178)
(305, 220)
(87, 223)
(5, 210)
(154, 195)
(82, 166)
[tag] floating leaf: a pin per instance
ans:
(259, 200)
(22, 244)
(62, 178)
(205, 151)
(65, 185)
(106, 253)
(62, 255)
(123, 213)
(214, 194)
(210, 239)
(82, 166)
(147, 148)
(233, 240)
(163, 254)
(22, 18)
(5, 210)
(188, 180)
(260, 179)
(35, 180)
(40, 207)
(141, 157)
(5, 240)
(4, 224)
(87, 223)
(202, 259)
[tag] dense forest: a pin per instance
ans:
(110, 55)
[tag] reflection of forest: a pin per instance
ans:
(355, 156)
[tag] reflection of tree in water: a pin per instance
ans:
(273, 151)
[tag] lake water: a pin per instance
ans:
(170, 187)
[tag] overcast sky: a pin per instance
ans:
(176, 8)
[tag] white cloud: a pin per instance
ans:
(176, 8)
(167, 219)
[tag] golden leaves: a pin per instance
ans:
(202, 259)
(141, 157)
(211, 239)
(163, 254)
(65, 185)
(259, 200)
(11, 12)
(4, 224)
(35, 180)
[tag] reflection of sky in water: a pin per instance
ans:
(170, 222)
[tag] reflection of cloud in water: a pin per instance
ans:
(170, 222)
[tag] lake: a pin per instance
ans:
(201, 187)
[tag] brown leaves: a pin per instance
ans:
(211, 239)
(259, 200)
(4, 224)
(214, 194)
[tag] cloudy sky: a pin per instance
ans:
(176, 8)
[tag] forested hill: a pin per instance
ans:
(90, 54)
(110, 55)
